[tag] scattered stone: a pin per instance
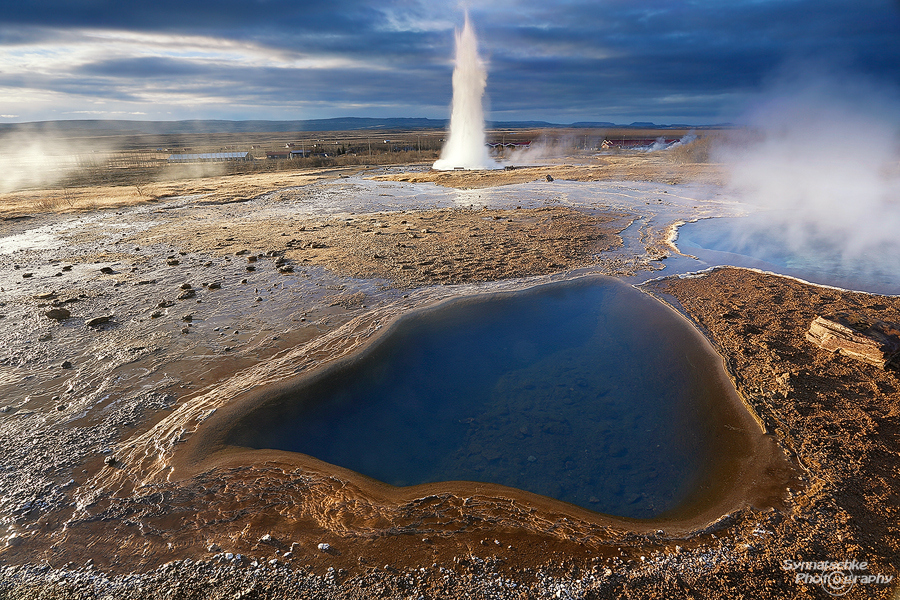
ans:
(172, 262)
(165, 304)
(243, 281)
(156, 314)
(46, 296)
(549, 177)
(58, 314)
(97, 321)
(286, 269)
(107, 270)
(324, 547)
(185, 330)
(67, 268)
(66, 364)
(251, 268)
(109, 460)
(145, 282)
(252, 259)
(45, 337)
(186, 294)
(27, 275)
(186, 286)
(213, 548)
(187, 318)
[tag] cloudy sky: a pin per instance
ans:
(696, 62)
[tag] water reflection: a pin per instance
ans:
(591, 393)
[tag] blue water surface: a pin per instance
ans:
(591, 393)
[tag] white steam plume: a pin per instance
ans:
(466, 144)
(38, 158)
(823, 152)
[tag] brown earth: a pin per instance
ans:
(838, 417)
(416, 248)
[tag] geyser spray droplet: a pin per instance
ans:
(465, 146)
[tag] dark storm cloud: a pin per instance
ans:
(616, 59)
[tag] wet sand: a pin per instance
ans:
(164, 496)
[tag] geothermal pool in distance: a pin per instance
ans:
(762, 242)
(589, 392)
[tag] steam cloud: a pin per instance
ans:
(823, 155)
(466, 144)
(39, 158)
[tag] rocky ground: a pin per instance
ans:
(197, 289)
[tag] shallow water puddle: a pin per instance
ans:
(588, 392)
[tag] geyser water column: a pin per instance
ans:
(466, 146)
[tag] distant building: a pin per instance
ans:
(210, 157)
(278, 154)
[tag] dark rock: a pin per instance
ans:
(252, 259)
(549, 177)
(45, 296)
(97, 321)
(286, 269)
(66, 365)
(187, 318)
(165, 304)
(215, 286)
(186, 286)
(186, 294)
(109, 460)
(172, 262)
(156, 314)
(58, 314)
(107, 270)
(251, 268)
(67, 268)
(27, 275)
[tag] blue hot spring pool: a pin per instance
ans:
(767, 243)
(592, 393)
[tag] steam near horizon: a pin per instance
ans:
(821, 154)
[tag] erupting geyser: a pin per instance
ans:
(465, 147)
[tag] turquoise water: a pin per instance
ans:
(800, 251)
(590, 393)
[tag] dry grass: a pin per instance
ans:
(216, 188)
(695, 152)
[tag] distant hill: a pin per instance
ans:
(337, 124)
